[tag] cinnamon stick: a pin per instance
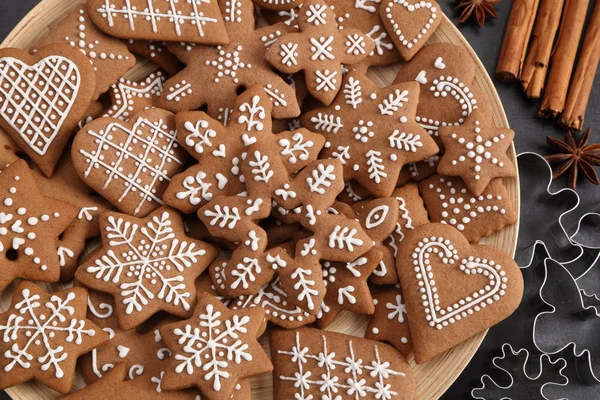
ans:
(535, 68)
(583, 78)
(563, 59)
(516, 38)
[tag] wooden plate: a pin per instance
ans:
(434, 377)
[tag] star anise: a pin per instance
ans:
(480, 10)
(575, 157)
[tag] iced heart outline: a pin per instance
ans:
(435, 315)
(14, 72)
(423, 32)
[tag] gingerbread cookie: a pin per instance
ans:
(67, 187)
(109, 57)
(30, 226)
(372, 131)
(156, 52)
(361, 15)
(43, 334)
(129, 98)
(196, 21)
(41, 121)
(148, 265)
(319, 49)
(9, 152)
(347, 287)
(130, 163)
(272, 298)
(215, 350)
(311, 363)
(411, 214)
(410, 23)
(213, 75)
(389, 322)
(220, 150)
(445, 73)
(448, 201)
(453, 290)
(476, 151)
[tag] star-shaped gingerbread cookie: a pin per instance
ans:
(319, 49)
(215, 349)
(148, 265)
(43, 334)
(372, 131)
(213, 75)
(476, 151)
(30, 226)
(109, 57)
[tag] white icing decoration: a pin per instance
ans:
(361, 377)
(437, 316)
(146, 137)
(411, 7)
(316, 14)
(36, 100)
(157, 11)
(461, 208)
(261, 167)
(255, 114)
(343, 237)
(245, 273)
(212, 345)
(439, 63)
(326, 80)
(321, 178)
(300, 146)
(397, 309)
(376, 216)
(87, 213)
(321, 48)
(353, 93)
(355, 44)
(393, 102)
(39, 328)
(327, 122)
(375, 164)
(153, 267)
(306, 286)
(64, 253)
(224, 216)
(197, 189)
(410, 142)
(479, 151)
(421, 77)
(126, 91)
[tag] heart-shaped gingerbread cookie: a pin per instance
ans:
(130, 163)
(42, 98)
(410, 23)
(453, 290)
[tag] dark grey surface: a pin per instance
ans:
(531, 135)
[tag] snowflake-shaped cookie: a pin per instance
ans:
(372, 131)
(130, 163)
(316, 364)
(42, 335)
(215, 349)
(30, 225)
(477, 152)
(109, 57)
(213, 75)
(148, 265)
(319, 49)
